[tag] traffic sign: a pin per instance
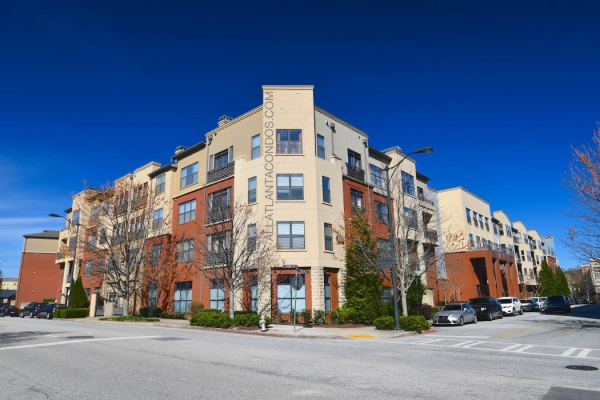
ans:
(297, 282)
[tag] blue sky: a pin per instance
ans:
(91, 90)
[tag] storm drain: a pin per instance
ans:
(79, 337)
(169, 339)
(581, 367)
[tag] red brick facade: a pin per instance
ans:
(39, 278)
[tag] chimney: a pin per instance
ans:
(179, 149)
(224, 119)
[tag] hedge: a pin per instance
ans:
(415, 323)
(49, 300)
(72, 313)
(386, 323)
(152, 312)
(217, 319)
(173, 316)
(134, 318)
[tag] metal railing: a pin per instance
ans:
(216, 258)
(355, 172)
(59, 255)
(220, 173)
(219, 214)
(492, 247)
(431, 234)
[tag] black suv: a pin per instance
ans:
(31, 309)
(46, 311)
(5, 309)
(557, 302)
(486, 308)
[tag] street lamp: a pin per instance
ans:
(391, 223)
(74, 253)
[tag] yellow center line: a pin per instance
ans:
(501, 335)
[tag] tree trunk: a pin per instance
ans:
(231, 302)
(403, 296)
(126, 306)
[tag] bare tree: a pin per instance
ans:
(236, 253)
(449, 263)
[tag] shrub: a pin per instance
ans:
(386, 323)
(72, 313)
(172, 316)
(307, 316)
(277, 316)
(197, 306)
(350, 315)
(208, 310)
(123, 318)
(426, 311)
(78, 296)
(144, 312)
(246, 318)
(415, 323)
(336, 316)
(319, 317)
(213, 319)
(49, 301)
(267, 320)
(154, 312)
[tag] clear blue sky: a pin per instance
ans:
(92, 90)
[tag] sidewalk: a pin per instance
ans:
(366, 332)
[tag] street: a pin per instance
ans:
(522, 357)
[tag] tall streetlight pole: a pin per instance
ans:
(74, 253)
(391, 223)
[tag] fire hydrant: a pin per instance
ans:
(262, 322)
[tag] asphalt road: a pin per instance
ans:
(522, 357)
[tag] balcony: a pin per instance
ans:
(431, 234)
(507, 251)
(220, 173)
(355, 172)
(218, 214)
(68, 278)
(216, 258)
(59, 256)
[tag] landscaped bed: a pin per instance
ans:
(130, 318)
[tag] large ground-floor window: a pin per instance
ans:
(327, 284)
(254, 296)
(217, 294)
(152, 291)
(286, 295)
(183, 297)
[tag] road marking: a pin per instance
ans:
(360, 336)
(471, 345)
(509, 348)
(537, 325)
(584, 353)
(522, 349)
(428, 341)
(570, 351)
(461, 344)
(29, 346)
(463, 336)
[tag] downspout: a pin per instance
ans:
(367, 176)
(208, 142)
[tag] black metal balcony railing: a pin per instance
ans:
(59, 255)
(68, 278)
(355, 172)
(216, 258)
(218, 214)
(431, 234)
(220, 173)
(493, 247)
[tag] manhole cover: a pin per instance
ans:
(581, 367)
(79, 337)
(169, 339)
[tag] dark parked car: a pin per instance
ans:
(557, 302)
(47, 311)
(31, 310)
(486, 308)
(530, 305)
(5, 309)
(585, 301)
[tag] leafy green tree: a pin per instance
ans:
(547, 280)
(562, 285)
(78, 297)
(414, 297)
(363, 284)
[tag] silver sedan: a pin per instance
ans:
(455, 314)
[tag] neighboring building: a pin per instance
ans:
(39, 276)
(9, 283)
(8, 290)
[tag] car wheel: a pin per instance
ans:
(475, 318)
(521, 311)
(22, 315)
(47, 315)
(31, 315)
(2, 315)
(461, 321)
(501, 315)
(38, 316)
(514, 312)
(490, 316)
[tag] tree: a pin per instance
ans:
(562, 285)
(583, 182)
(450, 264)
(547, 285)
(236, 253)
(78, 297)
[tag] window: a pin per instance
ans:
(475, 219)
(471, 240)
(160, 183)
(189, 175)
(255, 147)
(290, 235)
(387, 295)
(187, 211)
(95, 214)
(288, 298)
(420, 193)
(478, 241)
(468, 215)
(356, 200)
(508, 231)
(87, 292)
(354, 159)
(252, 190)
(289, 141)
(328, 237)
(376, 176)
(183, 297)
(92, 238)
(155, 254)
(487, 224)
(217, 295)
(383, 249)
(320, 147)
(152, 292)
(495, 228)
(219, 205)
(222, 158)
(89, 268)
(326, 184)
(290, 187)
(100, 264)
(251, 238)
(254, 295)
(408, 183)
(185, 250)
(410, 217)
(157, 218)
(501, 232)
(481, 221)
(218, 246)
(327, 290)
(381, 212)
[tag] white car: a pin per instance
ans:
(541, 301)
(510, 305)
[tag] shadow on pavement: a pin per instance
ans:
(16, 338)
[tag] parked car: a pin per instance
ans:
(5, 309)
(530, 305)
(31, 310)
(585, 301)
(486, 308)
(511, 305)
(557, 302)
(540, 300)
(47, 311)
(455, 314)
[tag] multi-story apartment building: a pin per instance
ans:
(300, 171)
